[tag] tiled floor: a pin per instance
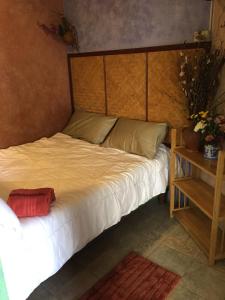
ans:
(151, 232)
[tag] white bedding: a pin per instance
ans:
(94, 188)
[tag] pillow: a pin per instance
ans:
(8, 219)
(138, 137)
(91, 127)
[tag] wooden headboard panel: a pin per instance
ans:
(135, 83)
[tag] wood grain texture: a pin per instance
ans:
(201, 194)
(126, 85)
(88, 83)
(166, 100)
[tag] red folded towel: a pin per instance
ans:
(31, 202)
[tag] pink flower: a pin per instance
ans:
(219, 119)
(222, 118)
(222, 127)
(209, 138)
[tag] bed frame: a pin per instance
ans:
(140, 83)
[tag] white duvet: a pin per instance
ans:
(94, 187)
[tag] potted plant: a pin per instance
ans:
(199, 77)
(212, 131)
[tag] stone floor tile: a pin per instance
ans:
(55, 283)
(107, 260)
(182, 293)
(42, 293)
(77, 286)
(181, 241)
(171, 259)
(205, 281)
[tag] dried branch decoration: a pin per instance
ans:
(200, 81)
(64, 31)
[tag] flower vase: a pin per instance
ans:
(211, 151)
(191, 139)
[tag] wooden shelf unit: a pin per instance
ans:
(199, 207)
(199, 227)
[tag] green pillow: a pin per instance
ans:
(138, 137)
(91, 127)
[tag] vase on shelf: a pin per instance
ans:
(191, 139)
(211, 151)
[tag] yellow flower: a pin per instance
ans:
(199, 126)
(203, 114)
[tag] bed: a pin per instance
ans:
(95, 187)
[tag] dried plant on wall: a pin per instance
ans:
(63, 31)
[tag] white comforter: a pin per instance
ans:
(94, 188)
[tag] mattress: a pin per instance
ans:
(94, 187)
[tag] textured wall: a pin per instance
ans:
(116, 24)
(34, 99)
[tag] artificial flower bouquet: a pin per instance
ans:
(199, 76)
(211, 128)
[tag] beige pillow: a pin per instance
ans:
(91, 127)
(138, 137)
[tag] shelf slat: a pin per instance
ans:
(199, 228)
(201, 194)
(197, 159)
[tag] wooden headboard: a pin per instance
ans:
(135, 83)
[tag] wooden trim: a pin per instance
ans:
(172, 170)
(70, 83)
(105, 86)
(146, 92)
(204, 45)
(216, 207)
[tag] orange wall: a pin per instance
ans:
(34, 94)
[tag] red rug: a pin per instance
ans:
(134, 278)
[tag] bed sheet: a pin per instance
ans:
(94, 187)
